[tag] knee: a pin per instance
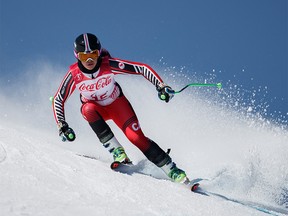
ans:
(137, 138)
(133, 137)
(89, 112)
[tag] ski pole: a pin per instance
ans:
(218, 85)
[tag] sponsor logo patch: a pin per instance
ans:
(78, 77)
(135, 126)
(121, 65)
(101, 83)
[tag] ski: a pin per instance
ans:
(118, 165)
(192, 184)
(127, 167)
(195, 187)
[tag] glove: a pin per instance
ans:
(65, 132)
(165, 92)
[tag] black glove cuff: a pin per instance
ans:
(62, 125)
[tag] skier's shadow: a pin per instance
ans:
(143, 167)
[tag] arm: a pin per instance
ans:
(119, 66)
(64, 91)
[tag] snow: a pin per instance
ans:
(246, 158)
(39, 178)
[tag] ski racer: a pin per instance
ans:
(102, 99)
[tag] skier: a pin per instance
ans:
(102, 99)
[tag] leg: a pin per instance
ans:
(127, 120)
(102, 130)
(122, 113)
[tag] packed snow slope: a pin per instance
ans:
(212, 135)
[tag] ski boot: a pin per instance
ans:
(178, 175)
(120, 157)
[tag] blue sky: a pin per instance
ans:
(242, 41)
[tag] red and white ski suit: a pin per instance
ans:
(102, 96)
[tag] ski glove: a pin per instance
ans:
(65, 132)
(165, 92)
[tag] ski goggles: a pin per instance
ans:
(83, 56)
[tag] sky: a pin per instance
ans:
(240, 42)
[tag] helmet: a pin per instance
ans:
(86, 43)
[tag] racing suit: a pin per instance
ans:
(102, 99)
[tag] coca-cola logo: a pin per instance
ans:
(101, 83)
